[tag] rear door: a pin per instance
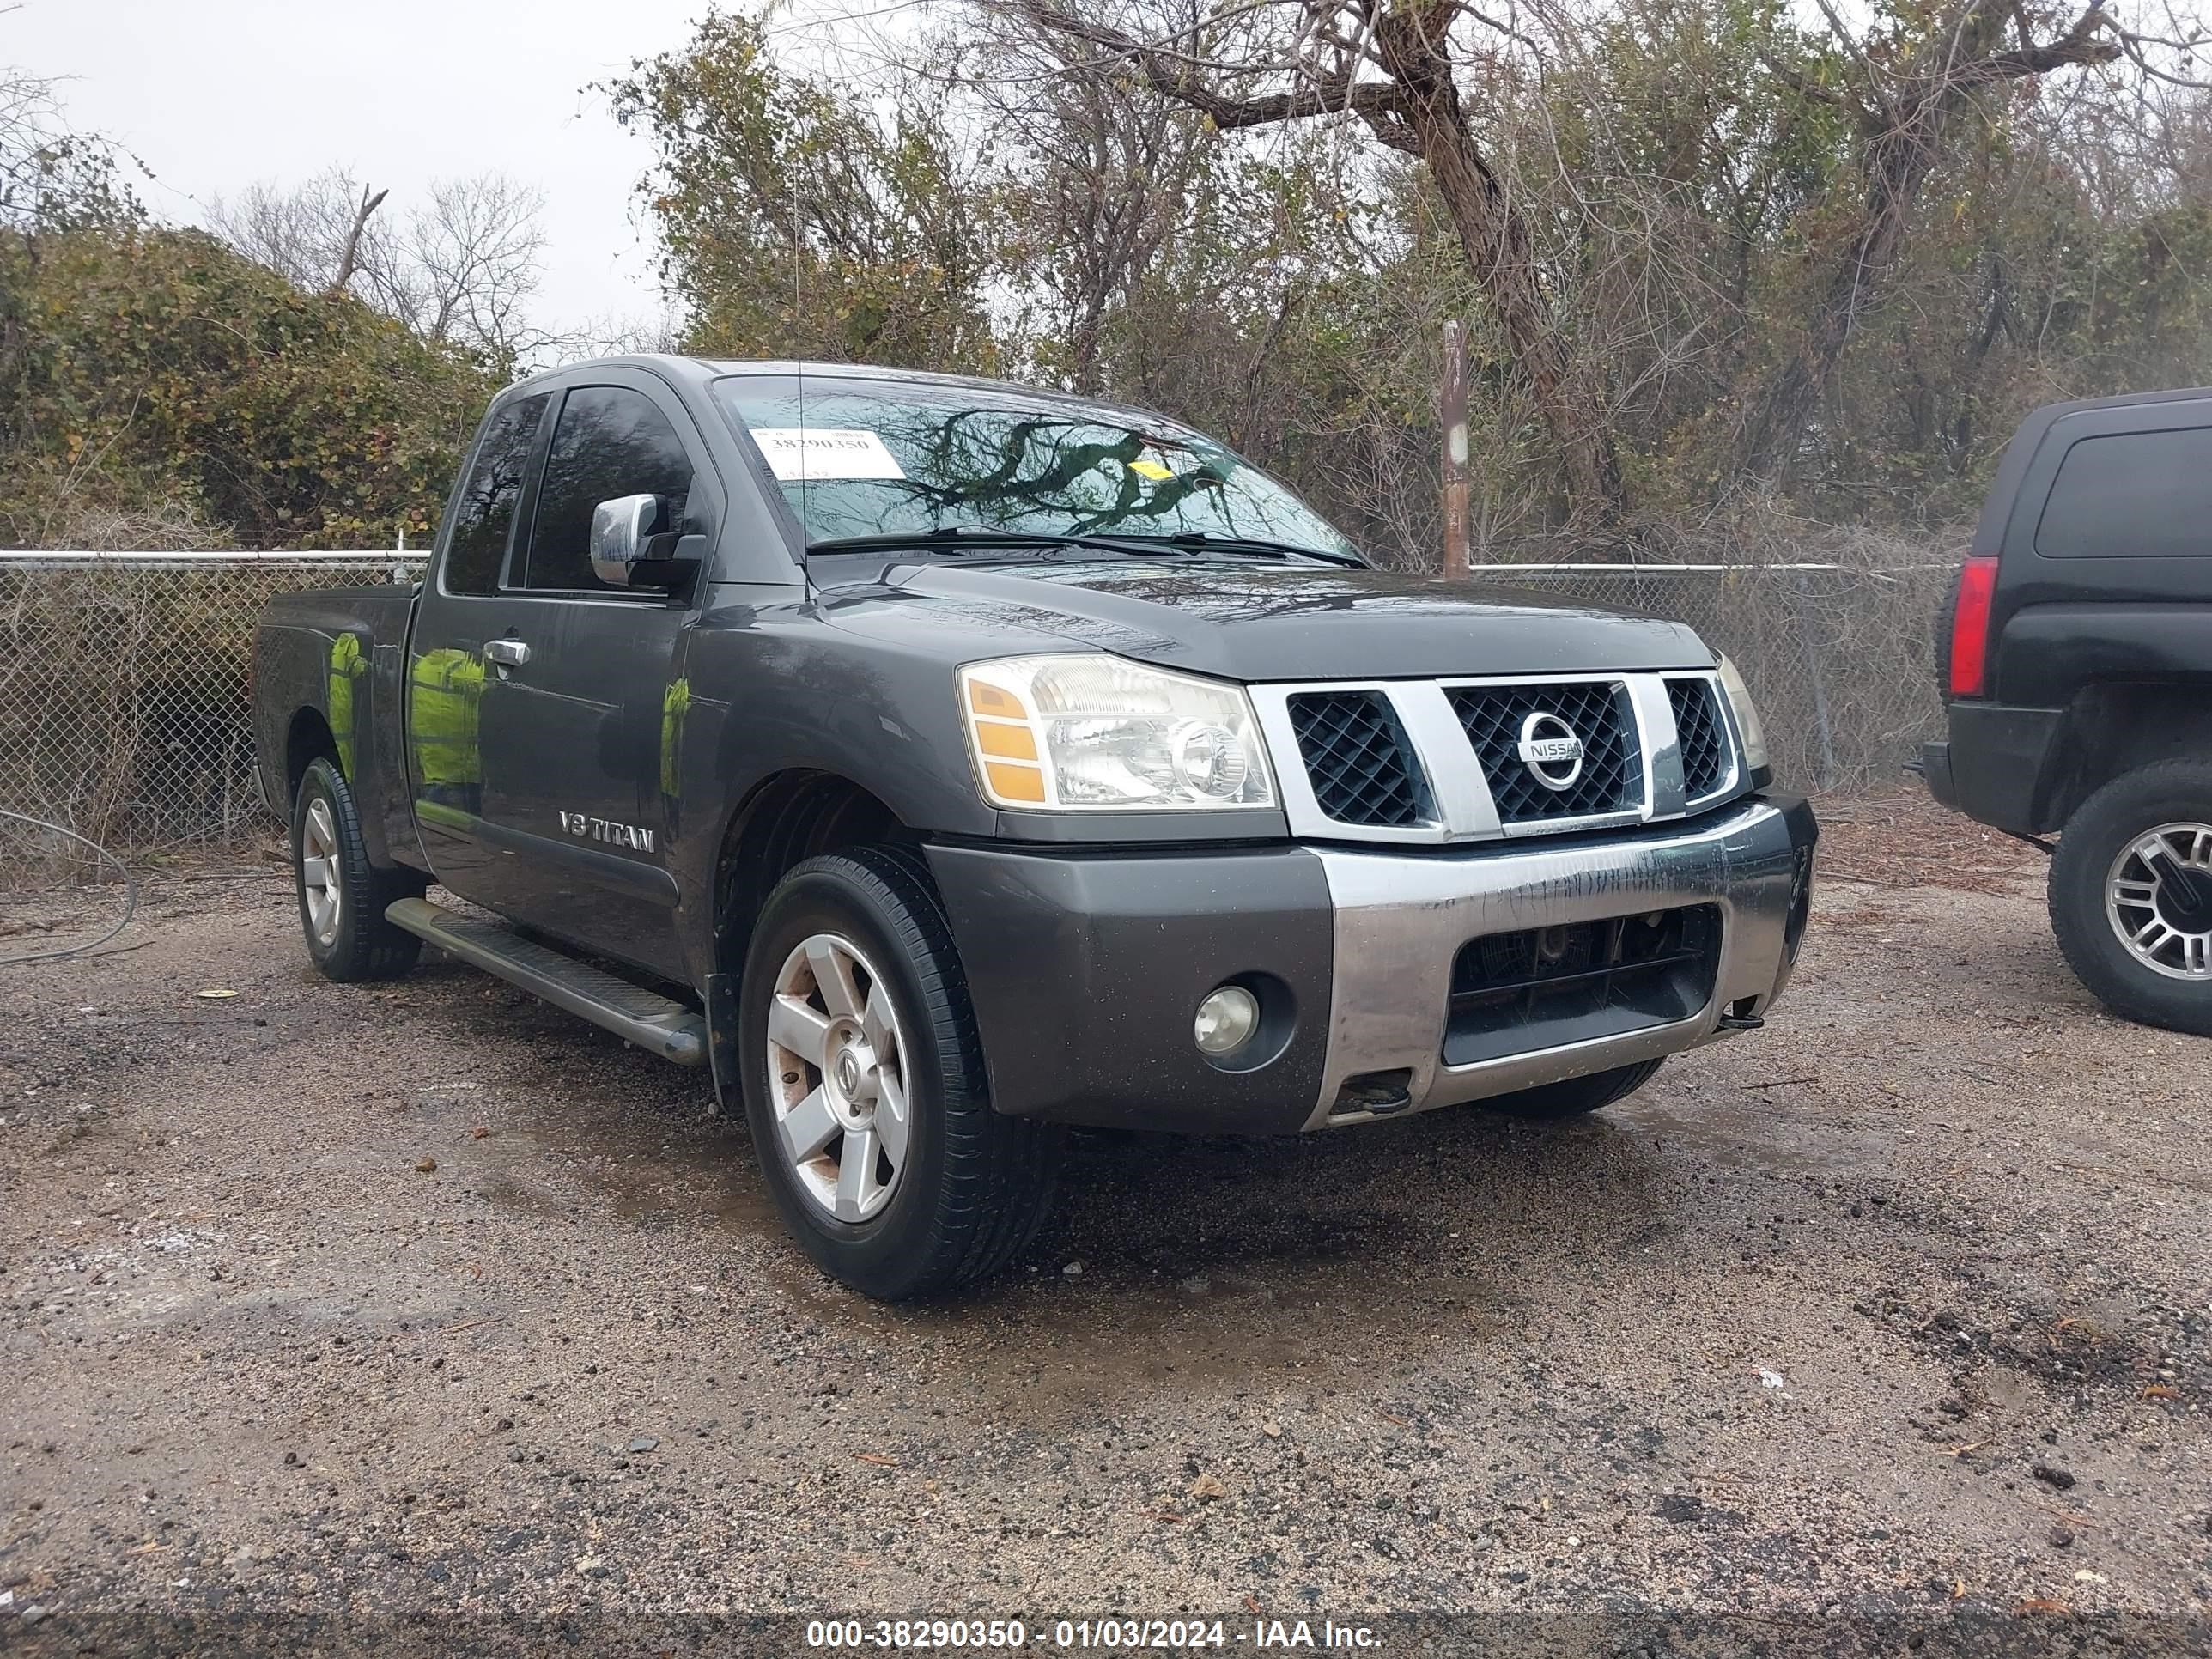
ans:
(462, 605)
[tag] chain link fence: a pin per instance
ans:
(1839, 658)
(126, 699)
(125, 682)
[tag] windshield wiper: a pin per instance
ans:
(951, 535)
(959, 536)
(1215, 541)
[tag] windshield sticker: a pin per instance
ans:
(797, 454)
(1145, 467)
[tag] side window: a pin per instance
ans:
(610, 441)
(2131, 495)
(485, 513)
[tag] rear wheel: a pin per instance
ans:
(1574, 1097)
(2131, 895)
(865, 1088)
(342, 895)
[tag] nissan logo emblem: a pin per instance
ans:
(1551, 750)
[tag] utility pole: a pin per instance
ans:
(1452, 402)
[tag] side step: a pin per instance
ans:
(650, 1020)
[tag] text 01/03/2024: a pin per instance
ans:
(1091, 1634)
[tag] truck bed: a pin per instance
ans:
(341, 653)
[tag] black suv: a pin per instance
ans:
(2076, 657)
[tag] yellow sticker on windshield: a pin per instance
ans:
(1145, 467)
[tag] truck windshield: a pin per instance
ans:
(867, 458)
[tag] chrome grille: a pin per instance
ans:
(1698, 729)
(1356, 757)
(1610, 778)
(1437, 761)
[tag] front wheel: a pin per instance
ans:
(1575, 1096)
(865, 1087)
(2131, 895)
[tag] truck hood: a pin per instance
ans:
(1282, 622)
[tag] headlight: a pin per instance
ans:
(1746, 717)
(1099, 733)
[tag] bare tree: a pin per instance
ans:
(1903, 105)
(461, 266)
(50, 173)
(350, 256)
(1391, 64)
(470, 263)
(1448, 82)
(1106, 171)
(299, 231)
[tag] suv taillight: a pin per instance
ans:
(1970, 626)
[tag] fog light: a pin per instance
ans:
(1226, 1020)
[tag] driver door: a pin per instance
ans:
(575, 725)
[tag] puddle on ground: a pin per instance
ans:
(1739, 1134)
(1209, 1264)
(1201, 1263)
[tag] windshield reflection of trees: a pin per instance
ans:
(1009, 469)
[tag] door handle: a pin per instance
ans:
(508, 654)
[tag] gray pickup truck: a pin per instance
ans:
(944, 763)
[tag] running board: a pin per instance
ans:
(645, 1017)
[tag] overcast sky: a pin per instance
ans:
(213, 94)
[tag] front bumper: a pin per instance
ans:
(1400, 921)
(1086, 971)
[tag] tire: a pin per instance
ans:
(969, 1187)
(2094, 852)
(1947, 615)
(1575, 1096)
(357, 943)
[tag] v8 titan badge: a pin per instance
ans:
(1550, 749)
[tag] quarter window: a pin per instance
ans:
(2133, 495)
(484, 515)
(610, 442)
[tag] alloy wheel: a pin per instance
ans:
(836, 1075)
(2158, 897)
(318, 873)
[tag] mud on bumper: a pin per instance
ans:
(1392, 982)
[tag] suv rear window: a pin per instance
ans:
(2131, 495)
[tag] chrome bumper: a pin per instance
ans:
(1400, 921)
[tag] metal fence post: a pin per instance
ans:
(1824, 732)
(1452, 408)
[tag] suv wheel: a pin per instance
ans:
(343, 895)
(865, 1087)
(1574, 1097)
(2131, 895)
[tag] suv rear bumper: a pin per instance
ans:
(1992, 766)
(1086, 970)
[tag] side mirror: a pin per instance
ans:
(621, 530)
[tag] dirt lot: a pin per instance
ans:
(425, 1296)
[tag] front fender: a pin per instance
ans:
(791, 694)
(773, 690)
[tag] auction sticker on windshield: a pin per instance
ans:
(798, 454)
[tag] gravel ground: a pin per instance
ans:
(321, 1297)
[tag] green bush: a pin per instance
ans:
(149, 368)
